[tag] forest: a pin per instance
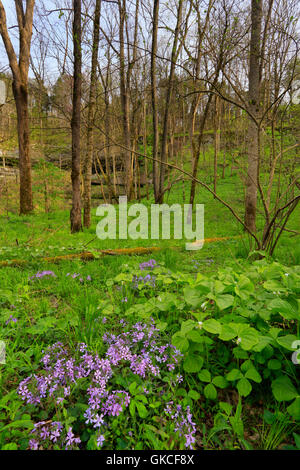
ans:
(149, 236)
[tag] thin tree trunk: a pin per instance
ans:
(164, 140)
(254, 107)
(87, 169)
(76, 121)
(154, 99)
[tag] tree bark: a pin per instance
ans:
(87, 168)
(20, 92)
(254, 108)
(154, 99)
(75, 215)
(164, 140)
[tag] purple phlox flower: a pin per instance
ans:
(41, 274)
(33, 444)
(88, 278)
(70, 437)
(11, 319)
(100, 440)
(44, 433)
(98, 420)
(148, 264)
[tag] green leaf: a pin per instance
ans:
(204, 375)
(283, 389)
(220, 381)
(28, 424)
(142, 410)
(249, 338)
(273, 285)
(10, 446)
(244, 387)
(194, 395)
(212, 326)
(225, 407)
(224, 301)
(284, 308)
(132, 388)
(180, 342)
(227, 333)
(195, 335)
(294, 411)
(187, 326)
(274, 364)
(192, 296)
(132, 407)
(252, 374)
(297, 440)
(287, 341)
(210, 392)
(193, 363)
(234, 374)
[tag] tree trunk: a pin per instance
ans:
(87, 169)
(154, 99)
(20, 92)
(19, 70)
(164, 140)
(76, 121)
(254, 107)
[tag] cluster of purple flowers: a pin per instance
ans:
(46, 434)
(41, 274)
(75, 275)
(148, 264)
(139, 349)
(148, 279)
(183, 423)
(11, 319)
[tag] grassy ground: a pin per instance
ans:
(48, 309)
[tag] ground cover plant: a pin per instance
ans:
(132, 353)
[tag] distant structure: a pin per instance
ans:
(295, 92)
(2, 92)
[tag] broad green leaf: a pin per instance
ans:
(287, 341)
(234, 374)
(220, 381)
(227, 333)
(283, 389)
(274, 364)
(212, 326)
(193, 363)
(195, 335)
(224, 301)
(284, 308)
(194, 395)
(180, 342)
(244, 387)
(187, 326)
(210, 392)
(142, 410)
(294, 410)
(252, 374)
(204, 375)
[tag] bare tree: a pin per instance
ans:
(76, 224)
(87, 167)
(20, 91)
